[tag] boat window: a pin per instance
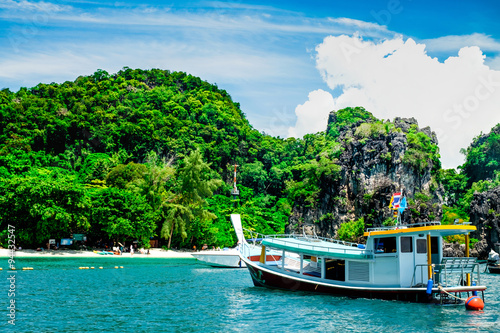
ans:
(385, 245)
(335, 269)
(421, 246)
(406, 244)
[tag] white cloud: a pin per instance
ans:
(364, 26)
(455, 43)
(50, 67)
(241, 18)
(312, 116)
(207, 60)
(40, 6)
(459, 98)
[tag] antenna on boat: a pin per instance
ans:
(235, 191)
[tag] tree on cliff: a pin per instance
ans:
(482, 157)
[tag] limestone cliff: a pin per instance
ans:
(377, 159)
(485, 215)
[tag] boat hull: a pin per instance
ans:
(263, 277)
(494, 269)
(225, 259)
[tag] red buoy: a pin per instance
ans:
(474, 303)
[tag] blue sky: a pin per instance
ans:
(288, 63)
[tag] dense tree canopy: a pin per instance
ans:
(482, 157)
(150, 154)
(131, 156)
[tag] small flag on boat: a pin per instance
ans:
(395, 201)
(403, 205)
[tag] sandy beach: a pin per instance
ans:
(153, 253)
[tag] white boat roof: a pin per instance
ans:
(318, 247)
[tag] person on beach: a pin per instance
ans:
(131, 250)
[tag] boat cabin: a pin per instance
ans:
(405, 256)
(404, 262)
(401, 255)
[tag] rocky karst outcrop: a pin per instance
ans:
(485, 215)
(376, 161)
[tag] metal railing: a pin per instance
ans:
(449, 269)
(352, 248)
(256, 235)
(330, 250)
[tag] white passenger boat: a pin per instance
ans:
(230, 258)
(404, 262)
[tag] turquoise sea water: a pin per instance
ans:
(183, 295)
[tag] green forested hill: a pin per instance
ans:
(105, 154)
(145, 154)
(132, 112)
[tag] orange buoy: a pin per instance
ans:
(474, 303)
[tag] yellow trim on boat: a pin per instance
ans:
(429, 257)
(452, 227)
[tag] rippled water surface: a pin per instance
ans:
(182, 295)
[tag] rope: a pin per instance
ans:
(441, 288)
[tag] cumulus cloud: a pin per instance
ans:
(312, 116)
(458, 98)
